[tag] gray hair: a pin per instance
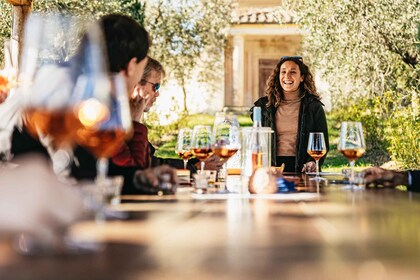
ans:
(152, 64)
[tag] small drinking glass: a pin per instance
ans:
(352, 146)
(316, 149)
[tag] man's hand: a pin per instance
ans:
(213, 162)
(309, 167)
(137, 105)
(376, 176)
(151, 177)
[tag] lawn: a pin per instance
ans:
(334, 162)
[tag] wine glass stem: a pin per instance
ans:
(185, 164)
(202, 166)
(351, 178)
(317, 168)
(102, 169)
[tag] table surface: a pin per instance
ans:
(338, 234)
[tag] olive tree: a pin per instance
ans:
(189, 37)
(89, 8)
(368, 53)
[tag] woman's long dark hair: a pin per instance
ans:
(274, 91)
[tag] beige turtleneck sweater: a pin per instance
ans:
(287, 118)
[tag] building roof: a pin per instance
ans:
(272, 15)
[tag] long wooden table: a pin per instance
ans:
(341, 234)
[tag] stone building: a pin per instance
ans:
(255, 44)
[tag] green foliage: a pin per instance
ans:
(390, 133)
(189, 38)
(5, 26)
(368, 52)
(95, 8)
(88, 8)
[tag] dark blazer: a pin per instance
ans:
(311, 119)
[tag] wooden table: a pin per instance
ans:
(339, 235)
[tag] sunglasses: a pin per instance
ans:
(156, 86)
(286, 57)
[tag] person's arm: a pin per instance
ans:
(41, 206)
(320, 125)
(380, 177)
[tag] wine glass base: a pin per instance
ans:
(317, 179)
(60, 245)
(353, 188)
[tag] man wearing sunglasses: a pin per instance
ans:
(139, 151)
(147, 90)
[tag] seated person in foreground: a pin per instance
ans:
(127, 46)
(376, 177)
(138, 151)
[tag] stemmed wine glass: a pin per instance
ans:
(351, 145)
(201, 143)
(226, 135)
(316, 149)
(8, 112)
(183, 145)
(57, 50)
(105, 123)
(52, 58)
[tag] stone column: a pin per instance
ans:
(238, 70)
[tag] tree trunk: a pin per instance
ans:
(184, 92)
(21, 10)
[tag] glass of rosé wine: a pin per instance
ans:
(227, 140)
(316, 149)
(352, 146)
(201, 143)
(183, 145)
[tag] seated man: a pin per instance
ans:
(127, 46)
(376, 176)
(138, 151)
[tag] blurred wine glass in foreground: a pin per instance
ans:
(8, 109)
(7, 73)
(183, 145)
(105, 123)
(351, 145)
(52, 58)
(63, 68)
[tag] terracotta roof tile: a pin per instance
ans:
(262, 15)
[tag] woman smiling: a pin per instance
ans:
(292, 108)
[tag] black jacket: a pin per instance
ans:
(415, 180)
(311, 119)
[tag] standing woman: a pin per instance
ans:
(292, 108)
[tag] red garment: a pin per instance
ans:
(136, 151)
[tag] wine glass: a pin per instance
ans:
(7, 74)
(226, 135)
(52, 58)
(201, 143)
(183, 145)
(105, 122)
(351, 145)
(57, 50)
(316, 149)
